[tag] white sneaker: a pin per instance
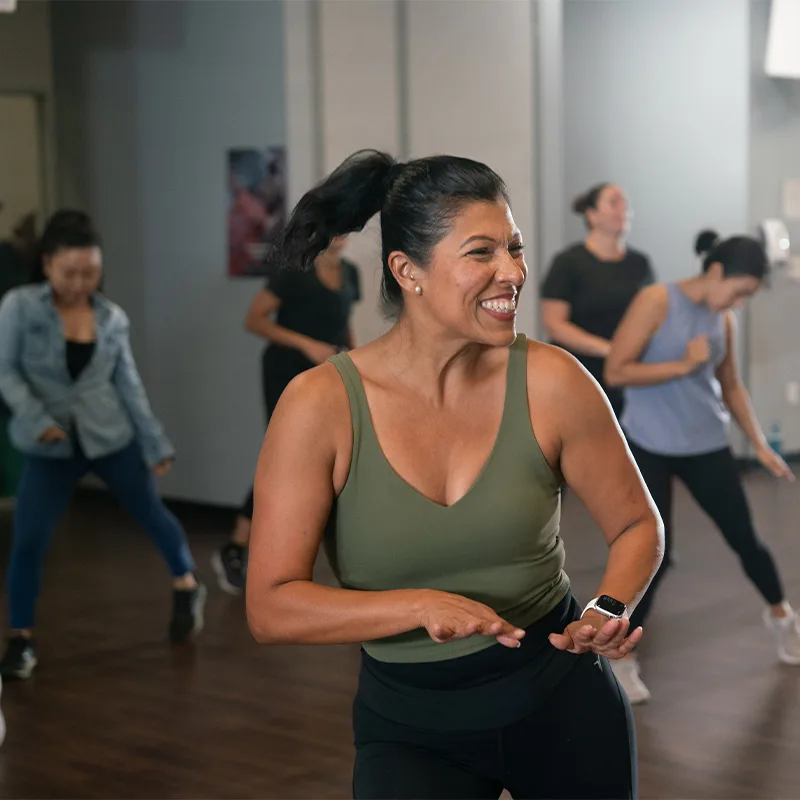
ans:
(786, 631)
(2, 719)
(627, 672)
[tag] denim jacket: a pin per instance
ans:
(106, 406)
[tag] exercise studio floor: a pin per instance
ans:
(113, 712)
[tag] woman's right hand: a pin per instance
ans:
(54, 434)
(698, 352)
(318, 352)
(450, 616)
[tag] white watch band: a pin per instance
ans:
(592, 606)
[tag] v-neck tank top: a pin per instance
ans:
(499, 544)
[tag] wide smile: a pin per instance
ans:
(501, 308)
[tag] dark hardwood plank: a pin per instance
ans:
(114, 712)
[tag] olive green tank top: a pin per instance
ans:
(499, 544)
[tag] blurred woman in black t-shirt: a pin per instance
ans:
(591, 284)
(305, 318)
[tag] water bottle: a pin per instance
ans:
(774, 437)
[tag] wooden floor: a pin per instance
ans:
(113, 712)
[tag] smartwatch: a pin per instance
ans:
(607, 606)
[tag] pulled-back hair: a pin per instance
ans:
(417, 202)
(588, 200)
(739, 255)
(65, 229)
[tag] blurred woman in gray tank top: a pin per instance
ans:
(674, 352)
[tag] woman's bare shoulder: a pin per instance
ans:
(318, 393)
(558, 384)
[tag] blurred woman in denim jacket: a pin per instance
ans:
(78, 404)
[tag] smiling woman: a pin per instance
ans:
(430, 464)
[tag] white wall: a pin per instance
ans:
(774, 156)
(152, 95)
(656, 99)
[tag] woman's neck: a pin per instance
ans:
(604, 246)
(696, 289)
(433, 365)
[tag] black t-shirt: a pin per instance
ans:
(311, 308)
(599, 292)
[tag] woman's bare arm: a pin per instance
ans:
(643, 318)
(581, 438)
(555, 315)
(303, 462)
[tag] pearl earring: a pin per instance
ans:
(418, 289)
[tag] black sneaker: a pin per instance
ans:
(187, 613)
(230, 568)
(20, 659)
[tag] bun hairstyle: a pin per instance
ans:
(64, 230)
(738, 255)
(588, 200)
(417, 202)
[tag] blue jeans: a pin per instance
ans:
(45, 490)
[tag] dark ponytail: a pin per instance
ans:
(739, 255)
(64, 230)
(588, 200)
(417, 202)
(343, 203)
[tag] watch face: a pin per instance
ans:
(611, 605)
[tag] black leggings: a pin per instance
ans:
(579, 743)
(714, 482)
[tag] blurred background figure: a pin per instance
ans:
(305, 318)
(78, 404)
(675, 354)
(590, 284)
(17, 255)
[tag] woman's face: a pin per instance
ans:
(477, 270)
(724, 293)
(74, 273)
(612, 215)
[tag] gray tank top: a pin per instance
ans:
(684, 416)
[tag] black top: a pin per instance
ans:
(599, 292)
(79, 354)
(312, 309)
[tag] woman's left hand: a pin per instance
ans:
(774, 463)
(162, 468)
(597, 633)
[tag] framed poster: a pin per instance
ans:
(256, 207)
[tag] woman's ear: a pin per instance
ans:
(404, 271)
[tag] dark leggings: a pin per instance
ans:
(45, 491)
(714, 482)
(579, 743)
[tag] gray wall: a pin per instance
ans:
(150, 96)
(774, 155)
(644, 84)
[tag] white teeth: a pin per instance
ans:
(501, 306)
